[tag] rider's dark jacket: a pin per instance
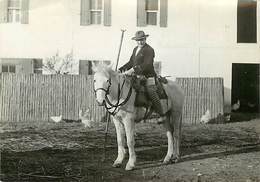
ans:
(142, 62)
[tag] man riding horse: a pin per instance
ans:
(117, 96)
(141, 64)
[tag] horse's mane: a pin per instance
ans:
(110, 73)
(105, 69)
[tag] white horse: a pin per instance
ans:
(106, 83)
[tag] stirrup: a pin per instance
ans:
(161, 119)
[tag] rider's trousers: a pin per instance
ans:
(152, 93)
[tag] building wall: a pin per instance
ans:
(21, 65)
(199, 41)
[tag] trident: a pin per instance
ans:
(107, 118)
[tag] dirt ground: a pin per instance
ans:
(70, 152)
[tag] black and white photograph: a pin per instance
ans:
(129, 90)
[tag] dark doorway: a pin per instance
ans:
(245, 87)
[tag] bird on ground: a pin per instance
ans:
(85, 118)
(56, 119)
(251, 105)
(206, 117)
(236, 106)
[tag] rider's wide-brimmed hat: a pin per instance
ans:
(140, 35)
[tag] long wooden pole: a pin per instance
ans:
(107, 118)
(119, 51)
(107, 113)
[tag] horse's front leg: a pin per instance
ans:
(120, 133)
(129, 128)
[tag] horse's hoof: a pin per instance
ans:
(175, 160)
(129, 168)
(166, 162)
(117, 165)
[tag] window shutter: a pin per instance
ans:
(25, 12)
(84, 67)
(107, 12)
(157, 67)
(85, 12)
(163, 12)
(37, 66)
(3, 11)
(141, 13)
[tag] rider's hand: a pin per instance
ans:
(129, 72)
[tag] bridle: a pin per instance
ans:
(103, 89)
(107, 103)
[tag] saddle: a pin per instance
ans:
(139, 84)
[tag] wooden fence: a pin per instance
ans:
(34, 97)
(202, 94)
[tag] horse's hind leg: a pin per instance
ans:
(169, 135)
(120, 133)
(177, 137)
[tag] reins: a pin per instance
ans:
(108, 104)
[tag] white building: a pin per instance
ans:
(191, 38)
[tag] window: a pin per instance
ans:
(157, 67)
(152, 12)
(8, 68)
(95, 12)
(14, 11)
(246, 21)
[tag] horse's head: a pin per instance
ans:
(102, 81)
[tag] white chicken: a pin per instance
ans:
(56, 119)
(206, 117)
(251, 105)
(228, 117)
(85, 118)
(236, 106)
